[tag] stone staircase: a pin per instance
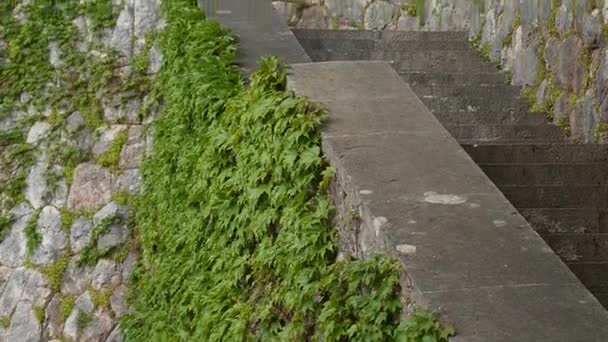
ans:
(559, 187)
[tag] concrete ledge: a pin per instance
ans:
(261, 32)
(465, 250)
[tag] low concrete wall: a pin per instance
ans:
(554, 48)
(406, 188)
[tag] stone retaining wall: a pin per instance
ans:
(47, 291)
(554, 49)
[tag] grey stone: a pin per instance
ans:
(601, 78)
(156, 59)
(567, 62)
(582, 119)
(37, 132)
(117, 235)
(24, 327)
(131, 110)
(526, 60)
(75, 279)
(54, 319)
(105, 273)
(561, 107)
(5, 273)
(14, 245)
(563, 19)
(80, 234)
(349, 12)
(378, 15)
(115, 335)
(147, 17)
(129, 265)
(59, 196)
(117, 232)
(91, 187)
(603, 114)
(408, 23)
(23, 285)
(117, 301)
(592, 30)
(541, 93)
(74, 122)
(123, 31)
(288, 10)
(83, 304)
(149, 142)
(53, 239)
(35, 183)
(100, 327)
(54, 55)
(132, 152)
(110, 210)
(106, 139)
(128, 181)
(84, 140)
(551, 53)
(313, 18)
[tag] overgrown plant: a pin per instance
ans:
(234, 221)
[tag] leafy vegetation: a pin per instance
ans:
(83, 319)
(234, 221)
(66, 306)
(40, 313)
(54, 272)
(111, 157)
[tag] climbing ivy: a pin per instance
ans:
(234, 220)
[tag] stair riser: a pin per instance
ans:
(436, 61)
(579, 221)
(336, 50)
(546, 174)
(476, 104)
(539, 153)
(387, 36)
(489, 118)
(505, 133)
(579, 248)
(469, 92)
(477, 79)
(377, 50)
(557, 197)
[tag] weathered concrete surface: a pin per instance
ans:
(465, 250)
(261, 32)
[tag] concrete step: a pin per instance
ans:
(567, 220)
(423, 36)
(490, 118)
(546, 174)
(594, 276)
(471, 92)
(570, 196)
(505, 133)
(579, 247)
(368, 49)
(525, 153)
(477, 79)
(438, 61)
(475, 103)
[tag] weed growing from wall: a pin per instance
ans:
(234, 221)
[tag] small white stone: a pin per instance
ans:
(37, 131)
(406, 249)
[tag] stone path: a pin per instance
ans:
(49, 293)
